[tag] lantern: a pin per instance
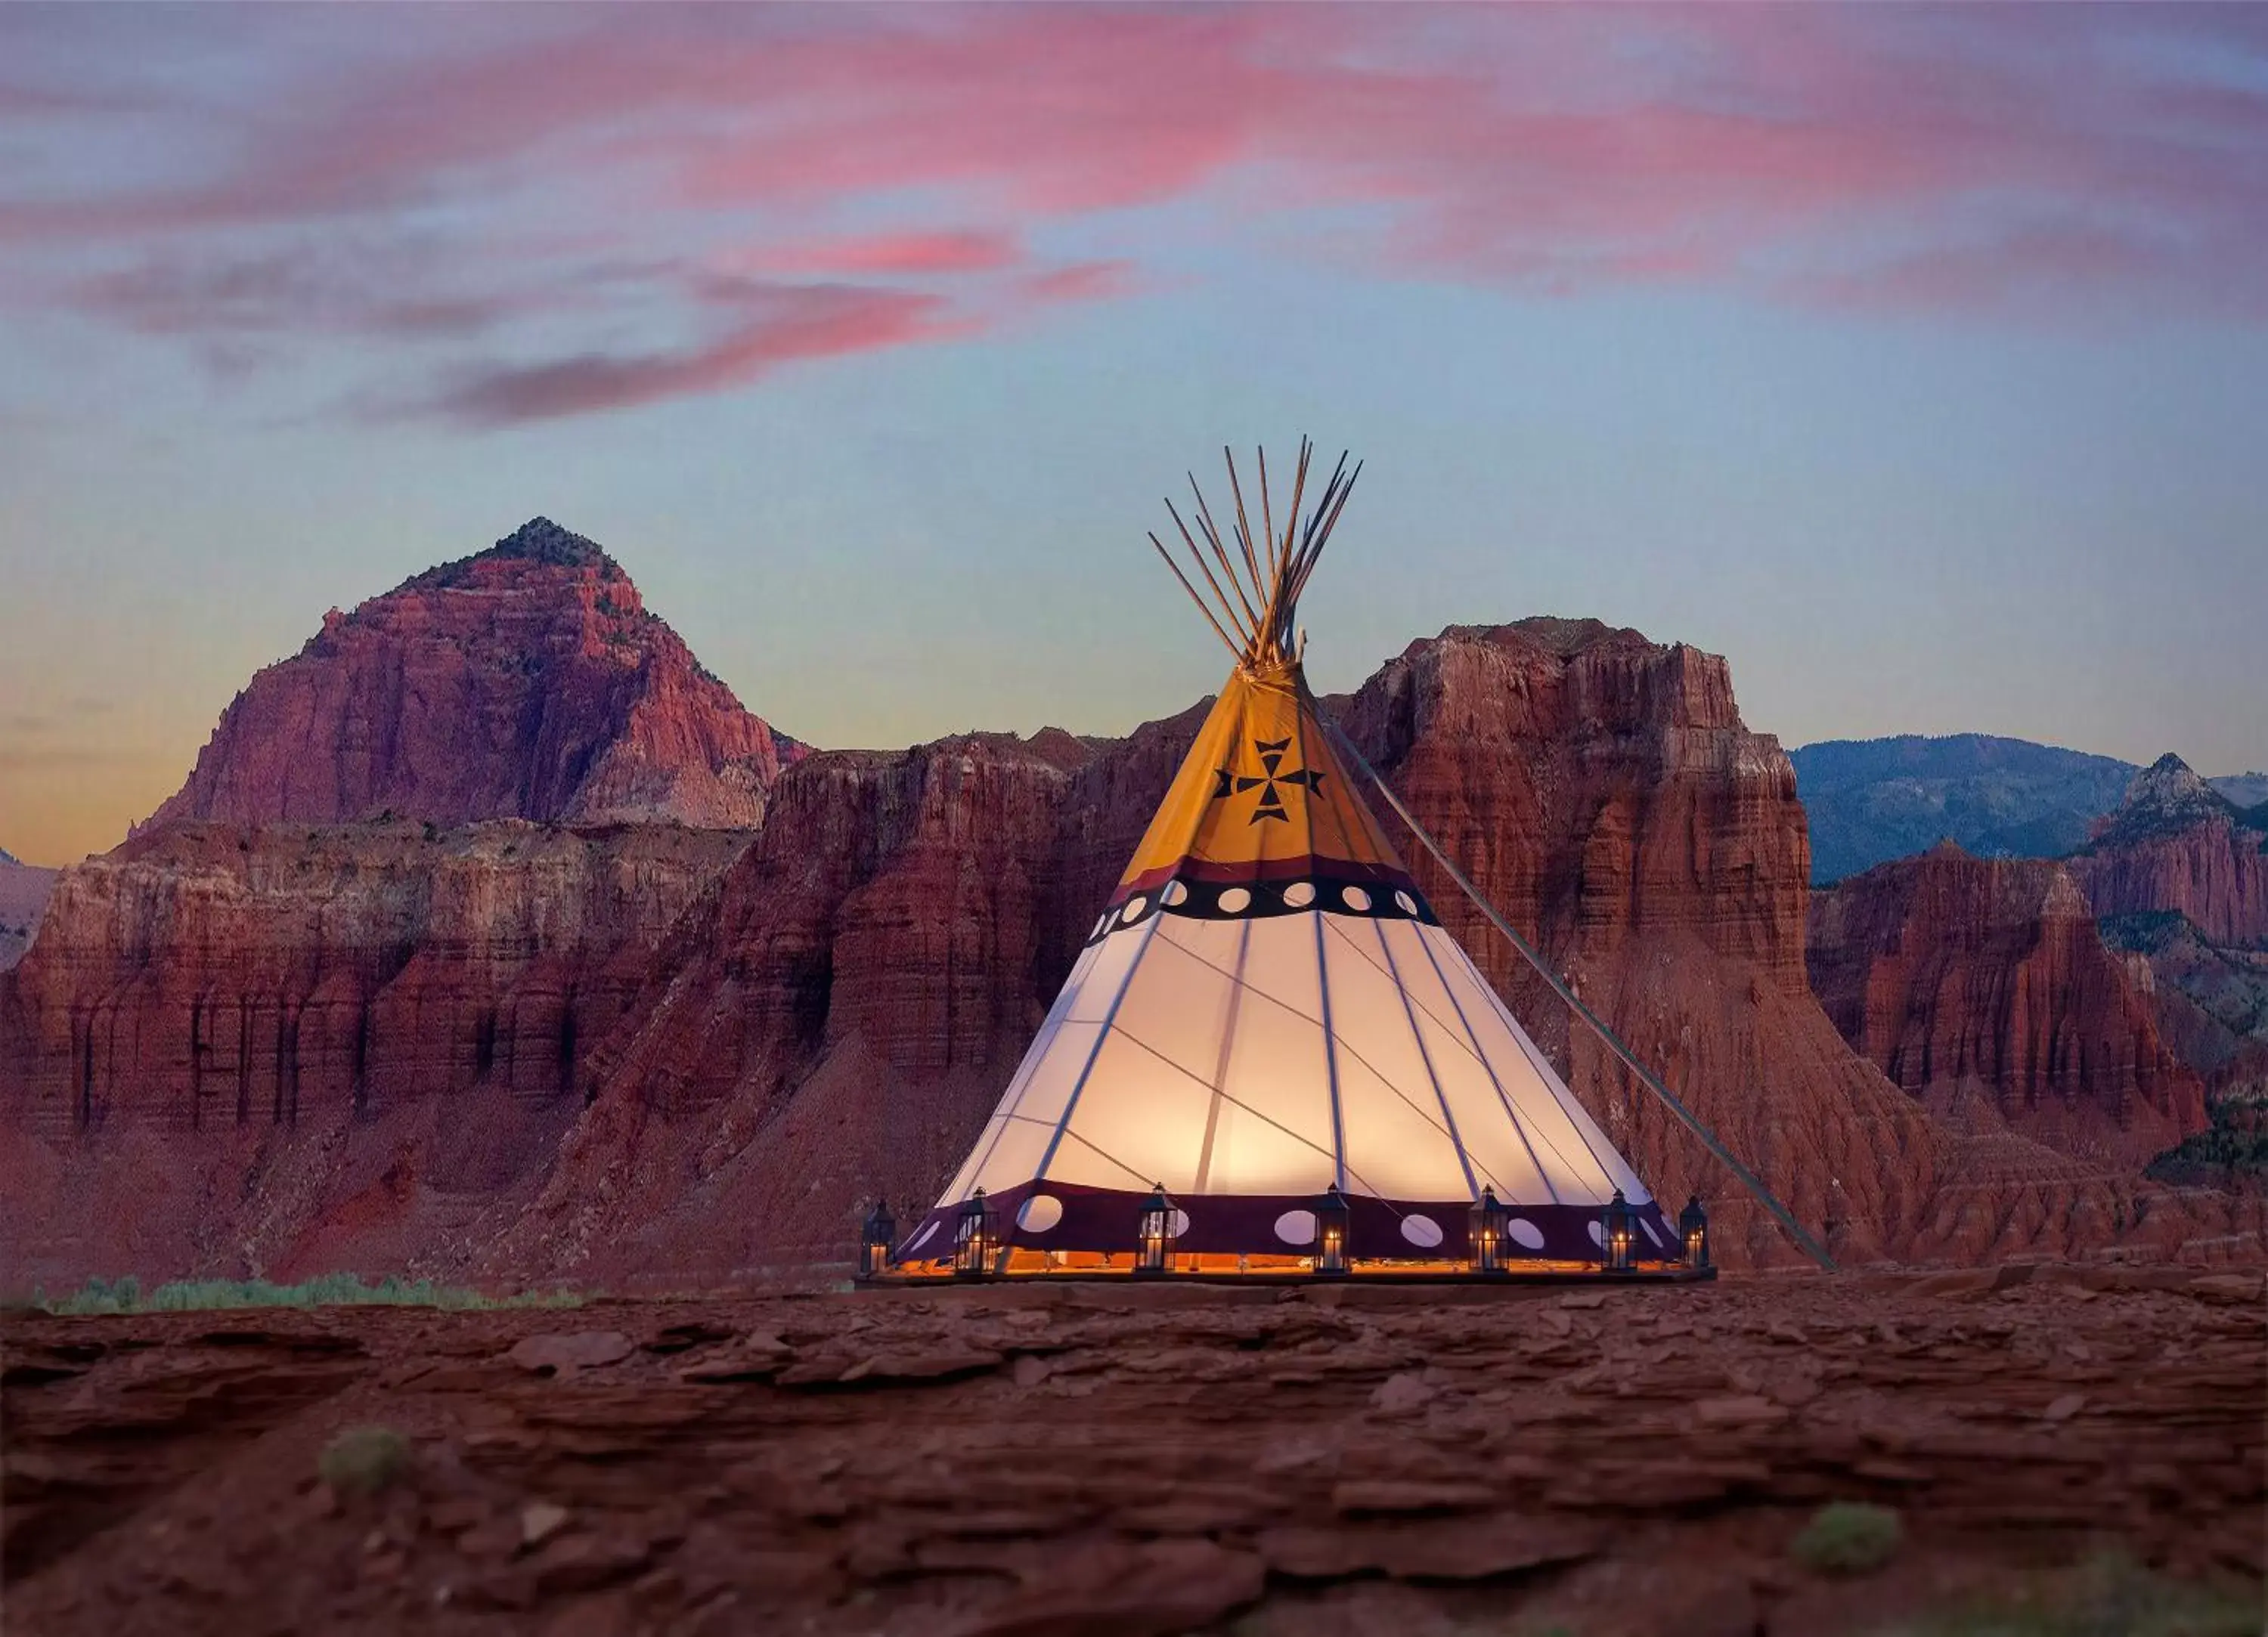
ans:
(1154, 1232)
(972, 1241)
(875, 1240)
(1333, 1220)
(1618, 1225)
(1486, 1222)
(1693, 1229)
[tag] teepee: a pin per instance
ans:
(1268, 1025)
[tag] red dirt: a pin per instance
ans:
(1139, 1461)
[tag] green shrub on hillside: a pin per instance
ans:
(1848, 1538)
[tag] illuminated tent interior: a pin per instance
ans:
(1269, 1056)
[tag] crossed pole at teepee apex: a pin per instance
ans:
(1654, 1083)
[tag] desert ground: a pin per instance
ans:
(2064, 1442)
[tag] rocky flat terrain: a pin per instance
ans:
(1093, 1459)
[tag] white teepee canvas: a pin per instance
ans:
(1268, 1007)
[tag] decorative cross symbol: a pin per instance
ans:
(1271, 805)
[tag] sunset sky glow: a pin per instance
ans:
(1916, 359)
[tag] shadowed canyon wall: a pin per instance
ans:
(1966, 978)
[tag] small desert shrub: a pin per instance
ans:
(195, 1295)
(1848, 1538)
(364, 1460)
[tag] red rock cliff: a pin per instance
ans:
(527, 682)
(848, 1010)
(223, 1038)
(1601, 788)
(1960, 975)
(1603, 792)
(2179, 845)
(838, 1009)
(838, 1017)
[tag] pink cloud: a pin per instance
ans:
(787, 325)
(1870, 158)
(1082, 281)
(963, 251)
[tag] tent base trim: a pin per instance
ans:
(931, 1274)
(1066, 1217)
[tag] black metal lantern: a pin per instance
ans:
(1486, 1222)
(876, 1240)
(1693, 1229)
(1154, 1232)
(1618, 1226)
(1333, 1220)
(972, 1238)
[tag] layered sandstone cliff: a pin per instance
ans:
(227, 1041)
(1603, 791)
(836, 1019)
(1965, 977)
(2179, 845)
(527, 682)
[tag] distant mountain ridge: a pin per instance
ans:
(1873, 800)
(527, 681)
(2166, 798)
(2246, 789)
(2179, 844)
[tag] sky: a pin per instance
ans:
(1915, 359)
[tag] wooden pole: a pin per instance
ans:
(1211, 529)
(1199, 601)
(1267, 516)
(1276, 586)
(1299, 585)
(1227, 612)
(1311, 546)
(1243, 523)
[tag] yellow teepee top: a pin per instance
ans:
(1261, 796)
